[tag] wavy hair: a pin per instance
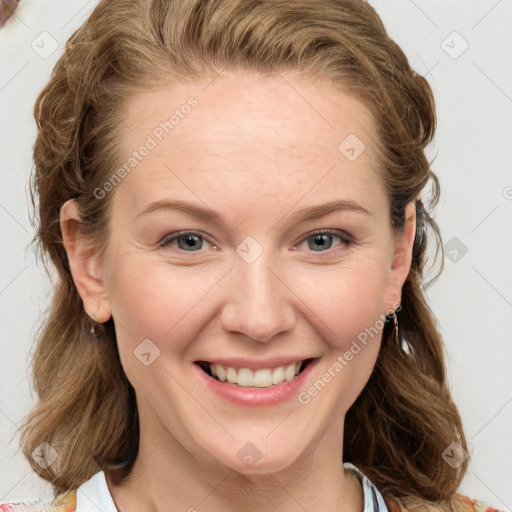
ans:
(403, 420)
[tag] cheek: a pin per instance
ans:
(349, 298)
(158, 302)
(350, 315)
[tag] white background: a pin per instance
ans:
(473, 297)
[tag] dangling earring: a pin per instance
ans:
(395, 321)
(403, 344)
(97, 330)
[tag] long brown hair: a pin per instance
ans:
(404, 418)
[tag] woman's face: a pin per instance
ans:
(249, 283)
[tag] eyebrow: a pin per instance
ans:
(205, 214)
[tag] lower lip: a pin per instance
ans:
(253, 396)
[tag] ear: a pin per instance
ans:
(85, 263)
(402, 257)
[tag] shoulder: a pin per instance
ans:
(459, 503)
(63, 503)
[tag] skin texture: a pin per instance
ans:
(256, 150)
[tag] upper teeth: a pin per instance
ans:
(262, 378)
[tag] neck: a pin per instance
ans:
(169, 478)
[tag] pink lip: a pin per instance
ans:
(256, 396)
(255, 364)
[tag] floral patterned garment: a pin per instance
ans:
(464, 504)
(94, 496)
(63, 503)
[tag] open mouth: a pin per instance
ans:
(262, 378)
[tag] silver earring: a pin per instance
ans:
(395, 324)
(404, 345)
(97, 330)
(395, 321)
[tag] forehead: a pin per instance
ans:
(264, 134)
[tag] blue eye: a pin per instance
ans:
(186, 240)
(321, 239)
(192, 241)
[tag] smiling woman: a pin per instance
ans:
(230, 191)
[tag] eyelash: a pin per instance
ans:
(346, 241)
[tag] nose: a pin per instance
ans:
(260, 302)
